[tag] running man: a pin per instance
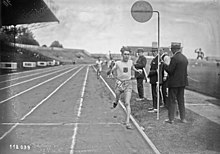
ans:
(122, 73)
(99, 67)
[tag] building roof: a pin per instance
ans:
(16, 12)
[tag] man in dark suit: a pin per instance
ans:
(140, 64)
(153, 80)
(177, 71)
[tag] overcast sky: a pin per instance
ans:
(99, 26)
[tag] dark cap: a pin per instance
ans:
(140, 50)
(175, 45)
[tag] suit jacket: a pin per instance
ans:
(177, 71)
(153, 71)
(140, 64)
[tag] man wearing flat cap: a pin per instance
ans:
(177, 71)
(140, 64)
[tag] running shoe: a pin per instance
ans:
(114, 104)
(129, 126)
(153, 111)
(139, 99)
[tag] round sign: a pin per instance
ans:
(141, 11)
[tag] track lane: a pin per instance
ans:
(43, 110)
(16, 106)
(27, 78)
(50, 128)
(14, 92)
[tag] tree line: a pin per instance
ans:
(22, 35)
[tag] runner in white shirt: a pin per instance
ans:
(122, 73)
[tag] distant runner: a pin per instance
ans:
(111, 63)
(99, 67)
(122, 72)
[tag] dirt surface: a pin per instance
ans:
(198, 136)
(65, 118)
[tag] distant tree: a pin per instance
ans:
(56, 44)
(8, 34)
(44, 45)
(26, 37)
(18, 35)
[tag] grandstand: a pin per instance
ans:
(21, 12)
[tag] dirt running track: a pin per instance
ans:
(62, 110)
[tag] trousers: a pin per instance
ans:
(140, 87)
(154, 95)
(176, 95)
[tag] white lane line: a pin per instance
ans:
(18, 94)
(58, 124)
(23, 72)
(32, 110)
(30, 75)
(146, 138)
(193, 79)
(78, 114)
(207, 104)
(32, 79)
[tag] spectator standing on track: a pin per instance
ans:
(140, 64)
(99, 67)
(177, 70)
(153, 76)
(122, 72)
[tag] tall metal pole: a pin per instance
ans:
(158, 67)
(138, 11)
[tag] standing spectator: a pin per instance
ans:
(166, 59)
(140, 64)
(99, 67)
(123, 82)
(153, 76)
(177, 81)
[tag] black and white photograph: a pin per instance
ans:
(109, 76)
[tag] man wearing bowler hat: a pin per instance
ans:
(177, 70)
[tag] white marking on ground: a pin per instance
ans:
(78, 114)
(193, 79)
(18, 94)
(30, 80)
(32, 110)
(146, 138)
(59, 124)
(29, 75)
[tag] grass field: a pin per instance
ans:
(204, 77)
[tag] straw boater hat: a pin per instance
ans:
(175, 45)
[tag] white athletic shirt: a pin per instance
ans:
(99, 63)
(123, 70)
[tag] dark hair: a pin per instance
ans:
(123, 49)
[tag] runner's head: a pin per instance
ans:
(125, 52)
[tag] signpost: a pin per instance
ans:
(142, 11)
